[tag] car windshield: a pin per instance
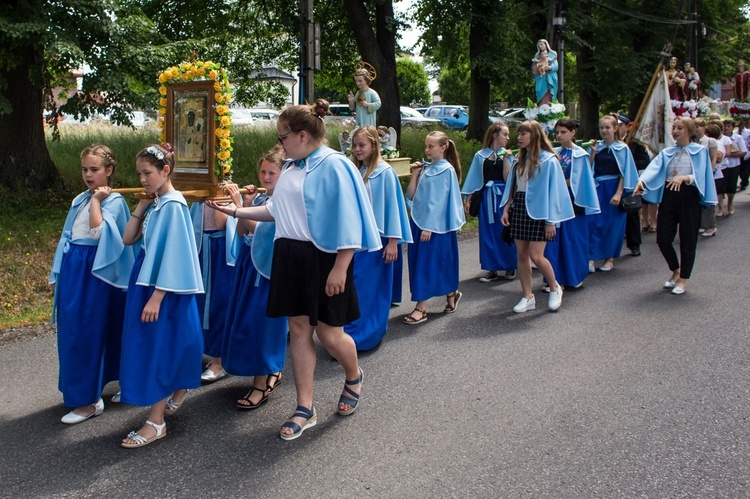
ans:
(411, 113)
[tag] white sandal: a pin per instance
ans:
(140, 440)
(172, 406)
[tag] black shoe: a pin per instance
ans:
(635, 252)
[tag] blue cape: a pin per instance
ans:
(113, 261)
(388, 203)
(196, 213)
(339, 213)
(437, 205)
(582, 182)
(625, 163)
(655, 175)
(475, 178)
(547, 195)
(171, 255)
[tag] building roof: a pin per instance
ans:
(270, 73)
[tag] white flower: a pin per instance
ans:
(545, 109)
(558, 108)
(531, 114)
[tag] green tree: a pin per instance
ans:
(412, 81)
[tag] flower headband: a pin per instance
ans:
(152, 150)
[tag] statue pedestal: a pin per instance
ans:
(401, 165)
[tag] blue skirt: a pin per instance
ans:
(159, 357)
(433, 266)
(494, 253)
(373, 279)
(254, 344)
(398, 276)
(89, 328)
(606, 229)
(568, 253)
(213, 316)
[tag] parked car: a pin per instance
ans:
(340, 112)
(264, 116)
(242, 117)
(412, 118)
(421, 110)
(140, 119)
(512, 116)
(452, 116)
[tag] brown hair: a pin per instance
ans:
(713, 130)
(688, 123)
(150, 154)
(489, 135)
(699, 122)
(371, 134)
(567, 123)
(451, 153)
(538, 143)
(308, 118)
(104, 153)
(275, 155)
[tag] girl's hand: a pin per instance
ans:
(505, 219)
(549, 232)
(252, 194)
(233, 191)
(146, 202)
(336, 282)
(224, 208)
(151, 310)
(391, 251)
(101, 193)
(615, 199)
(675, 183)
(466, 205)
(426, 236)
(639, 188)
(416, 167)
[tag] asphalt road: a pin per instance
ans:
(626, 391)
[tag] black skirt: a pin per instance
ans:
(298, 281)
(522, 226)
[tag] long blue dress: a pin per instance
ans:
(254, 344)
(90, 277)
(161, 357)
(373, 278)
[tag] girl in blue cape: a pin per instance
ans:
(487, 174)
(536, 185)
(615, 174)
(90, 273)
(679, 179)
(322, 217)
(214, 236)
(374, 271)
(437, 215)
(255, 344)
(162, 340)
(569, 251)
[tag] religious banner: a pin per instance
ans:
(655, 127)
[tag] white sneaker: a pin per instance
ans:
(555, 298)
(525, 305)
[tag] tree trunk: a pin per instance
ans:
(377, 46)
(479, 98)
(24, 159)
(588, 97)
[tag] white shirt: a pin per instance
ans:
(726, 144)
(81, 229)
(740, 142)
(287, 206)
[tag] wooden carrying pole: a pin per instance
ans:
(665, 53)
(190, 195)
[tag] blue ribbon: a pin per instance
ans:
(496, 193)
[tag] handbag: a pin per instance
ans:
(631, 203)
(505, 235)
(475, 201)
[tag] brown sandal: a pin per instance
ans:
(411, 320)
(456, 295)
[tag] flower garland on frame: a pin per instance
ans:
(200, 70)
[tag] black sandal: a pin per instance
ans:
(250, 405)
(269, 386)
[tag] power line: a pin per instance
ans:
(644, 17)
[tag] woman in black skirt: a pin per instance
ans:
(322, 215)
(540, 201)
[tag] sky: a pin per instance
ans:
(411, 36)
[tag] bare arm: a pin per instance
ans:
(133, 231)
(257, 213)
(337, 278)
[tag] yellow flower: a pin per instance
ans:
(163, 90)
(201, 72)
(163, 102)
(224, 143)
(175, 71)
(217, 87)
(221, 110)
(208, 63)
(163, 78)
(227, 168)
(162, 111)
(185, 77)
(219, 97)
(212, 74)
(219, 133)
(225, 121)
(223, 155)
(162, 137)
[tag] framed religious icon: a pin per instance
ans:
(190, 127)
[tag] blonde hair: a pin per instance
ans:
(615, 122)
(104, 153)
(688, 123)
(371, 134)
(529, 157)
(451, 153)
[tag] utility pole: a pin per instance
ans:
(558, 23)
(309, 51)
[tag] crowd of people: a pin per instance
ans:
(141, 297)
